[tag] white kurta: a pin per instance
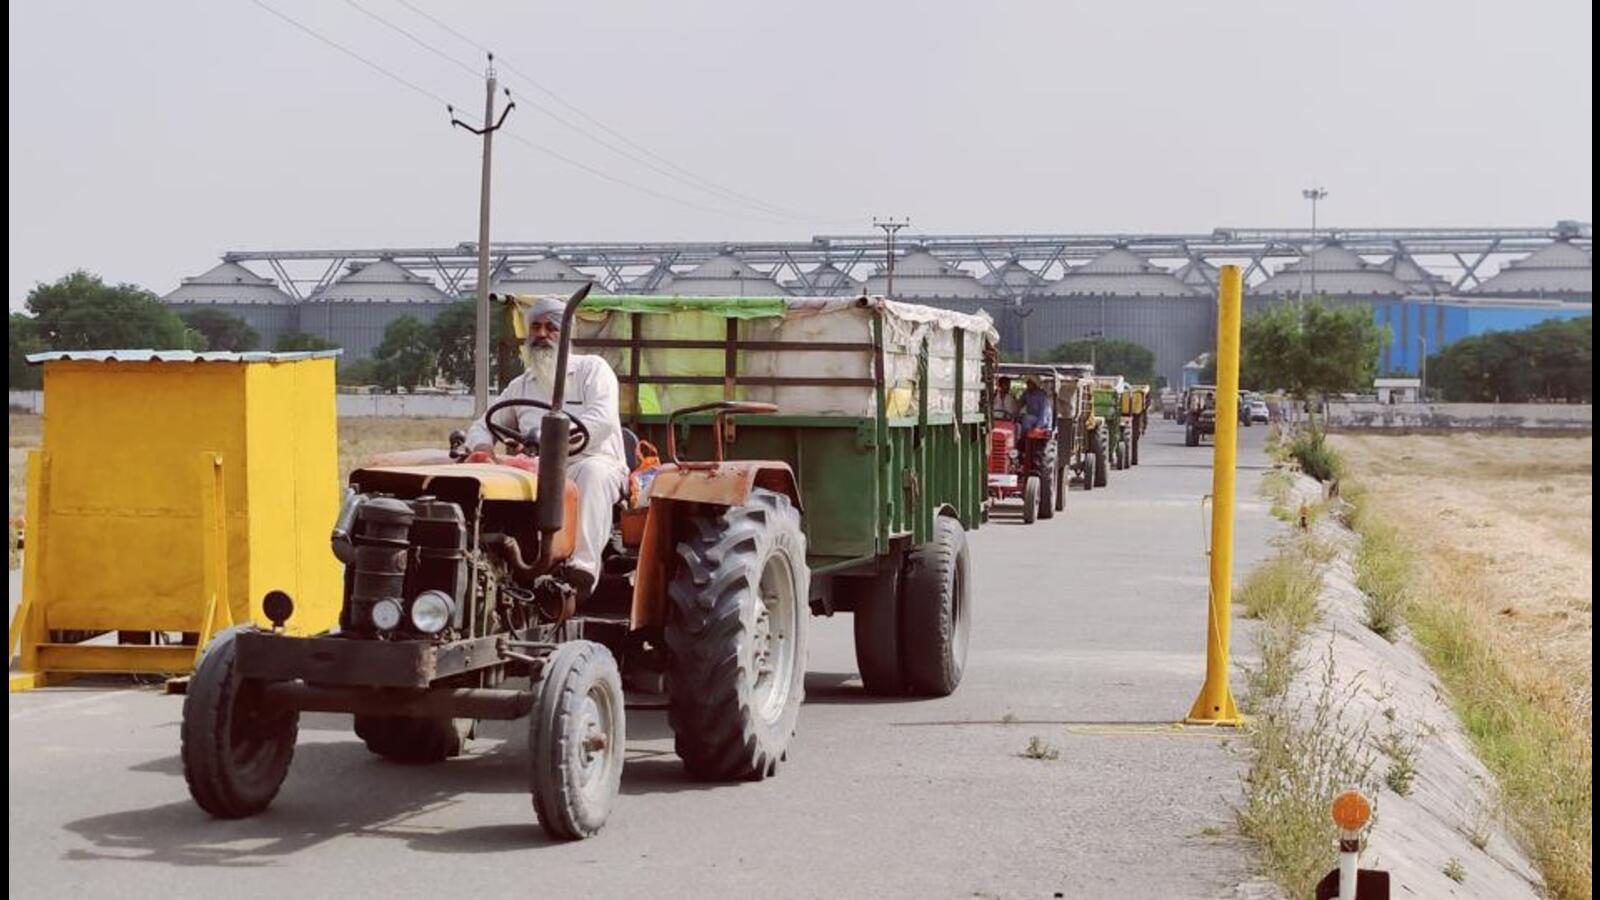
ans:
(601, 469)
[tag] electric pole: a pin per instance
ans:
(480, 350)
(890, 226)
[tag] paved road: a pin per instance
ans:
(1095, 617)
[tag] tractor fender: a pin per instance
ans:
(674, 488)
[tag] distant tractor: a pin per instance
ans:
(1019, 457)
(1199, 413)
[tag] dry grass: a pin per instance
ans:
(359, 439)
(1501, 607)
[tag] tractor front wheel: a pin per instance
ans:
(736, 637)
(576, 738)
(235, 752)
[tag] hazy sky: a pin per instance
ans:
(146, 138)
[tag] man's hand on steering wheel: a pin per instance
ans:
(530, 442)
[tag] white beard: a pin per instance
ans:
(540, 363)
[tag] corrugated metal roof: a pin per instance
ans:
(1561, 268)
(175, 356)
(1338, 271)
(227, 283)
(1406, 269)
(1119, 272)
(384, 281)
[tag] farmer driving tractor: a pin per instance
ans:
(1038, 408)
(600, 469)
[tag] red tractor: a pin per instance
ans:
(1023, 464)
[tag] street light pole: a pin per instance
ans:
(890, 226)
(1314, 194)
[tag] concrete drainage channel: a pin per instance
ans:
(1443, 836)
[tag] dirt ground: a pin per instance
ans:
(1511, 517)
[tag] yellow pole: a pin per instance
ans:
(1215, 704)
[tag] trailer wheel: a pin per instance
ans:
(1191, 436)
(1102, 453)
(235, 755)
(876, 601)
(736, 637)
(1090, 463)
(576, 740)
(1030, 500)
(414, 741)
(1134, 445)
(936, 611)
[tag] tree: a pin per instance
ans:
(358, 372)
(81, 312)
(223, 331)
(300, 341)
(406, 357)
(452, 334)
(24, 335)
(1310, 350)
(1112, 356)
(1551, 360)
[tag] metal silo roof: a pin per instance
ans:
(826, 280)
(227, 283)
(1420, 280)
(1013, 278)
(1338, 271)
(1199, 275)
(550, 275)
(1119, 272)
(921, 274)
(724, 275)
(1561, 268)
(384, 281)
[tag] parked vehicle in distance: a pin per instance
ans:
(1259, 411)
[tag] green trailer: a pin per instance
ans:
(1111, 437)
(882, 414)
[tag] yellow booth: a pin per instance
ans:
(173, 490)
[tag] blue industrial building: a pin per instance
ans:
(1419, 325)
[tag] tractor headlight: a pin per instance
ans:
(386, 615)
(430, 612)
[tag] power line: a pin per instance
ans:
(598, 173)
(354, 55)
(686, 177)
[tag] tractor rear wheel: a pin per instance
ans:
(736, 637)
(1030, 500)
(936, 610)
(1102, 453)
(414, 741)
(1047, 482)
(576, 741)
(876, 601)
(235, 753)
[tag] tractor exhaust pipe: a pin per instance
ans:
(555, 429)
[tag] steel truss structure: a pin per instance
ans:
(1462, 256)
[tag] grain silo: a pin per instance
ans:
(354, 311)
(724, 275)
(1560, 271)
(237, 291)
(551, 275)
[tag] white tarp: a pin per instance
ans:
(807, 320)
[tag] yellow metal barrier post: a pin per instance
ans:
(1215, 704)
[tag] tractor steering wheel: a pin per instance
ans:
(579, 436)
